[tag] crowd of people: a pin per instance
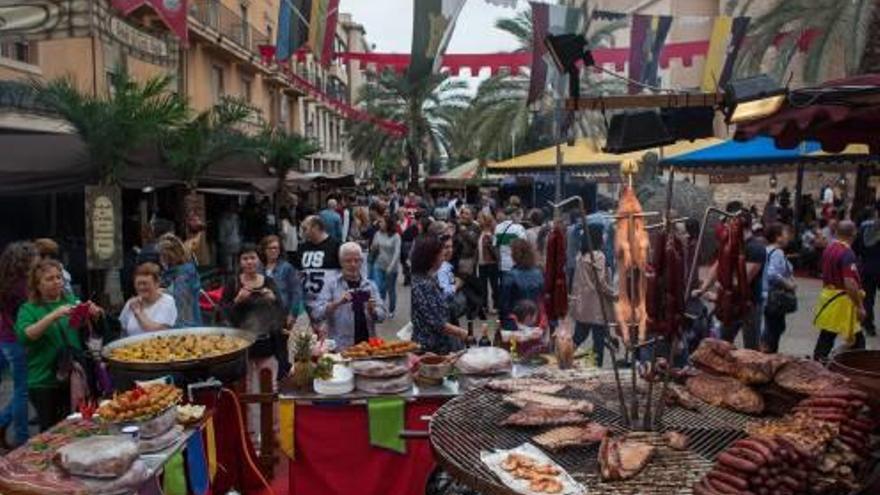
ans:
(338, 268)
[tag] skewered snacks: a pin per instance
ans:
(140, 403)
(542, 478)
(378, 348)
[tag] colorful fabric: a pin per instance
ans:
(386, 416)
(172, 14)
(836, 312)
(433, 23)
(727, 36)
(647, 37)
(554, 275)
(174, 479)
(549, 19)
(197, 466)
(211, 447)
(286, 424)
(839, 262)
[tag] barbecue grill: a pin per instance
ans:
(468, 424)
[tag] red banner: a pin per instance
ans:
(172, 12)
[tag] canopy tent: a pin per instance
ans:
(584, 156)
(462, 175)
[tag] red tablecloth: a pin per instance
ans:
(334, 455)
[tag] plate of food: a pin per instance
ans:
(528, 470)
(376, 348)
(153, 408)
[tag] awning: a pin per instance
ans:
(759, 155)
(585, 155)
(465, 171)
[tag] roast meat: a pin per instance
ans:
(567, 436)
(725, 391)
(808, 377)
(621, 459)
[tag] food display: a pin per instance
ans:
(526, 398)
(175, 348)
(571, 436)
(805, 376)
(621, 458)
(725, 391)
(527, 470)
(190, 413)
(538, 416)
(484, 361)
(746, 365)
(666, 274)
(392, 385)
(140, 403)
(100, 456)
(341, 381)
(379, 348)
(631, 248)
(378, 369)
(677, 395)
(734, 297)
(520, 384)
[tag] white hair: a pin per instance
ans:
(331, 203)
(350, 248)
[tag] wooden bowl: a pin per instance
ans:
(863, 368)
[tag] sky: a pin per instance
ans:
(388, 24)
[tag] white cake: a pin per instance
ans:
(342, 382)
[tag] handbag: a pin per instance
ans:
(67, 356)
(780, 300)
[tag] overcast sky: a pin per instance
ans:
(389, 25)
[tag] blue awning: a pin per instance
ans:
(758, 151)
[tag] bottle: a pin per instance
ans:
(484, 338)
(471, 340)
(496, 339)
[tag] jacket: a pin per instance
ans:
(516, 285)
(584, 297)
(340, 322)
(554, 275)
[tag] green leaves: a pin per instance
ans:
(114, 125)
(283, 151)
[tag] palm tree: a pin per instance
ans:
(212, 135)
(283, 152)
(841, 27)
(422, 105)
(113, 125)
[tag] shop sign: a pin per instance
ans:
(103, 227)
(136, 39)
(728, 178)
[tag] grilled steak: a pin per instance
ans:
(566, 436)
(754, 367)
(537, 416)
(621, 459)
(518, 384)
(725, 391)
(677, 395)
(715, 355)
(544, 401)
(805, 376)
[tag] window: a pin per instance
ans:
(20, 51)
(246, 85)
(217, 89)
(244, 24)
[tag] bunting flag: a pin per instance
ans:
(303, 16)
(211, 447)
(329, 33)
(174, 479)
(647, 37)
(286, 419)
(317, 26)
(287, 23)
(173, 13)
(549, 19)
(727, 36)
(197, 466)
(433, 24)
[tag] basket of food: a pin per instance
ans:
(152, 408)
(376, 348)
(179, 349)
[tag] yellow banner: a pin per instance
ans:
(717, 53)
(317, 24)
(212, 448)
(286, 419)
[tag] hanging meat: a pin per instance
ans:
(665, 281)
(631, 245)
(734, 298)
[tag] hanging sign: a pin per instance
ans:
(103, 227)
(728, 178)
(136, 39)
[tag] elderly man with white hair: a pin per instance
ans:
(350, 304)
(332, 220)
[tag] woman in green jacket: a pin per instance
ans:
(43, 328)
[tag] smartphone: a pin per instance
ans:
(360, 296)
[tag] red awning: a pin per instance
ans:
(836, 114)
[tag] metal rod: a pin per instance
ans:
(613, 352)
(663, 224)
(694, 262)
(662, 405)
(646, 420)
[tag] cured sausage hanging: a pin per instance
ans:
(734, 298)
(665, 280)
(631, 245)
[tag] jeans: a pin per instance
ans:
(582, 330)
(826, 343)
(869, 281)
(774, 327)
(16, 412)
(387, 285)
(488, 275)
(52, 404)
(750, 325)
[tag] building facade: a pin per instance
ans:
(222, 59)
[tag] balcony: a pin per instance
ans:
(211, 14)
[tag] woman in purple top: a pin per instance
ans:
(15, 262)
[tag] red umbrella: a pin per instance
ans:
(837, 113)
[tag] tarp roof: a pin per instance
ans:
(465, 171)
(585, 154)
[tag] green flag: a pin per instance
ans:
(433, 23)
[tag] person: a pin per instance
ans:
(756, 255)
(449, 283)
(430, 308)
(317, 260)
(181, 280)
(15, 264)
(811, 248)
(537, 234)
(587, 295)
(778, 275)
(229, 237)
(289, 234)
(867, 248)
(464, 259)
(287, 280)
(771, 210)
(839, 307)
(252, 303)
(48, 249)
(574, 237)
(507, 230)
(151, 309)
(150, 234)
(332, 220)
(344, 211)
(409, 229)
(196, 243)
(350, 304)
(43, 328)
(523, 281)
(385, 251)
(487, 263)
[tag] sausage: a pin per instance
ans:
(846, 429)
(750, 455)
(829, 416)
(860, 424)
(793, 448)
(842, 393)
(735, 481)
(825, 402)
(791, 483)
(812, 410)
(756, 446)
(772, 444)
(703, 488)
(723, 487)
(737, 463)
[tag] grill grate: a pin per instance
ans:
(468, 424)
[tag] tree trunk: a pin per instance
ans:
(413, 158)
(870, 62)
